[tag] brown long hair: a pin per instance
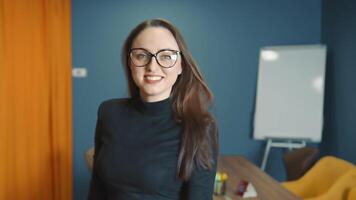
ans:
(191, 100)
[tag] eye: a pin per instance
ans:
(141, 56)
(166, 57)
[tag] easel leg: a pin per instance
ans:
(265, 156)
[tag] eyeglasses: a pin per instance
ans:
(166, 58)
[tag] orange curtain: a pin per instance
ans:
(35, 100)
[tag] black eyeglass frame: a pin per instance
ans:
(154, 55)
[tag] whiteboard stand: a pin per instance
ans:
(281, 144)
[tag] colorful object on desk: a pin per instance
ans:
(241, 187)
(220, 183)
(250, 191)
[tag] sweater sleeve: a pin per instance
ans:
(201, 184)
(97, 186)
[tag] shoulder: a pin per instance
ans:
(114, 102)
(112, 106)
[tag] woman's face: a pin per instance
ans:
(155, 82)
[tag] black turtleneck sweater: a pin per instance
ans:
(136, 151)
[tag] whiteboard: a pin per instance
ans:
(290, 93)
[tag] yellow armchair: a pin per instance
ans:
(330, 178)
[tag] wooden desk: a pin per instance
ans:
(238, 168)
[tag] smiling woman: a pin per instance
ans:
(161, 142)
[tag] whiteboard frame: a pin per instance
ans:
(259, 130)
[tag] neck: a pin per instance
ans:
(160, 107)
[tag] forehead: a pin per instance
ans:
(154, 39)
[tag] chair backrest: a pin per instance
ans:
(299, 161)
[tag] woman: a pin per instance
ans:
(161, 143)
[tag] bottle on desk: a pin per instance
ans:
(220, 183)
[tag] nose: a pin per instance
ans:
(153, 65)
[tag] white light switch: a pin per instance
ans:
(79, 72)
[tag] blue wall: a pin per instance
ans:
(339, 33)
(223, 36)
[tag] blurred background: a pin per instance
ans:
(47, 117)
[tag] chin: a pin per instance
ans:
(152, 92)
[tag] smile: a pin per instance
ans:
(153, 79)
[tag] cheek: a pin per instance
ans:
(173, 75)
(179, 68)
(136, 74)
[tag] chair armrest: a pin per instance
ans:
(89, 158)
(352, 194)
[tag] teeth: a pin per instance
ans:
(154, 78)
